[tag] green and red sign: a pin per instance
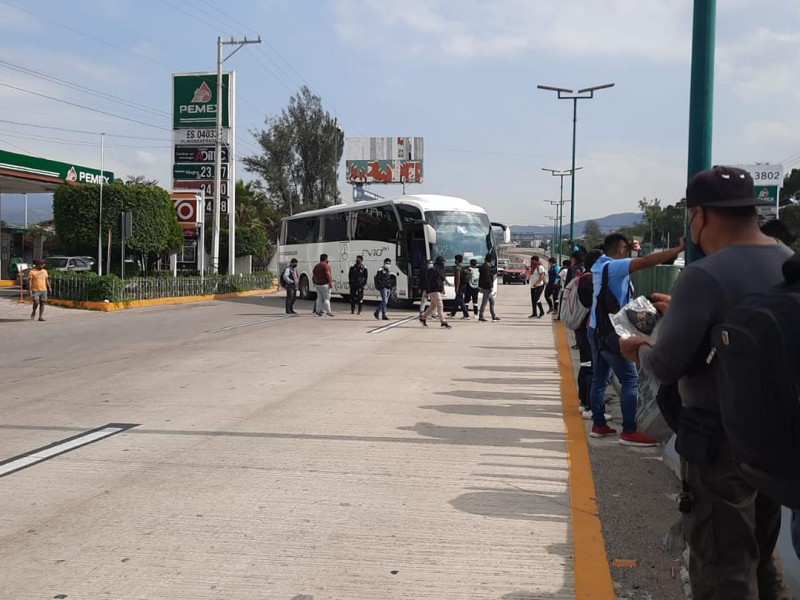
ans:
(195, 100)
(49, 171)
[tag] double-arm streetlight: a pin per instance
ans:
(567, 94)
(561, 175)
(559, 218)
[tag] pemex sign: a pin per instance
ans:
(49, 171)
(195, 100)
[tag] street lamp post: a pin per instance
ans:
(559, 204)
(561, 175)
(555, 232)
(567, 94)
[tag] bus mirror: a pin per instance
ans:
(430, 233)
(506, 232)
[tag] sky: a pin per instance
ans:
(462, 74)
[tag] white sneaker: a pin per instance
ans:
(587, 414)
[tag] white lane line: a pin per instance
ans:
(41, 454)
(248, 324)
(392, 325)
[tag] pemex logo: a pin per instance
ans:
(72, 175)
(202, 94)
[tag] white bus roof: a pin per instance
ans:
(424, 201)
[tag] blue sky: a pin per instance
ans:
(460, 73)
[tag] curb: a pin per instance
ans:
(112, 306)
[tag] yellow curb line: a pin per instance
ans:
(7, 282)
(592, 571)
(111, 306)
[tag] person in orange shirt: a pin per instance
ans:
(39, 285)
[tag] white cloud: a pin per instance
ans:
(447, 30)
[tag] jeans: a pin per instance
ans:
(487, 297)
(323, 303)
(291, 296)
(435, 305)
(603, 362)
(385, 293)
(460, 304)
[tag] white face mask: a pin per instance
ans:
(386, 267)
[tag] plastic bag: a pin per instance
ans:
(638, 317)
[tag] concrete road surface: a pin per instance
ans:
(234, 452)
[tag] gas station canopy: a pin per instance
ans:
(23, 174)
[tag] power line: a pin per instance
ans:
(84, 131)
(15, 146)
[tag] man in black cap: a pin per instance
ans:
(731, 527)
(434, 286)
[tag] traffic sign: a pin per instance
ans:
(197, 154)
(195, 172)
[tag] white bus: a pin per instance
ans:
(407, 229)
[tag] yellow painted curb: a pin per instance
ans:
(7, 282)
(111, 306)
(592, 571)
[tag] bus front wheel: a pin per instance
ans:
(305, 292)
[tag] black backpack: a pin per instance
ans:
(607, 304)
(758, 348)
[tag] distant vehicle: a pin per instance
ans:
(88, 260)
(502, 265)
(517, 272)
(75, 264)
(407, 229)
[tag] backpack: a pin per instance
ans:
(474, 277)
(607, 304)
(282, 280)
(573, 313)
(758, 349)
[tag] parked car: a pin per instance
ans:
(517, 272)
(60, 263)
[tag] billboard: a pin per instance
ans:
(384, 159)
(194, 97)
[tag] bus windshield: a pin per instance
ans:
(466, 233)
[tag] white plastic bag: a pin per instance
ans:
(638, 317)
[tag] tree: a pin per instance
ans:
(155, 227)
(592, 234)
(301, 150)
(651, 216)
(140, 180)
(791, 185)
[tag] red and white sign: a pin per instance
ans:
(187, 209)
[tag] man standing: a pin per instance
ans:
(538, 281)
(460, 283)
(358, 279)
(383, 284)
(290, 282)
(486, 282)
(323, 280)
(39, 285)
(434, 286)
(550, 282)
(731, 528)
(615, 267)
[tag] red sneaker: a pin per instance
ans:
(600, 431)
(637, 439)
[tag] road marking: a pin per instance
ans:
(249, 324)
(592, 573)
(33, 457)
(392, 325)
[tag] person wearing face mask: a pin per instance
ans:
(357, 277)
(383, 283)
(435, 287)
(731, 528)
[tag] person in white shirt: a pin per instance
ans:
(538, 281)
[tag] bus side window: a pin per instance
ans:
(302, 231)
(335, 228)
(377, 224)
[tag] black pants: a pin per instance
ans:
(585, 372)
(536, 300)
(548, 296)
(356, 297)
(291, 296)
(471, 294)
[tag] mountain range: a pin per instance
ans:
(607, 224)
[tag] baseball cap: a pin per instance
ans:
(440, 260)
(722, 187)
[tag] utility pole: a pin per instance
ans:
(218, 163)
(100, 216)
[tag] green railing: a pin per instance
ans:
(93, 288)
(657, 279)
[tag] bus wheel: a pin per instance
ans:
(305, 292)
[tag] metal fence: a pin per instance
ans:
(93, 288)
